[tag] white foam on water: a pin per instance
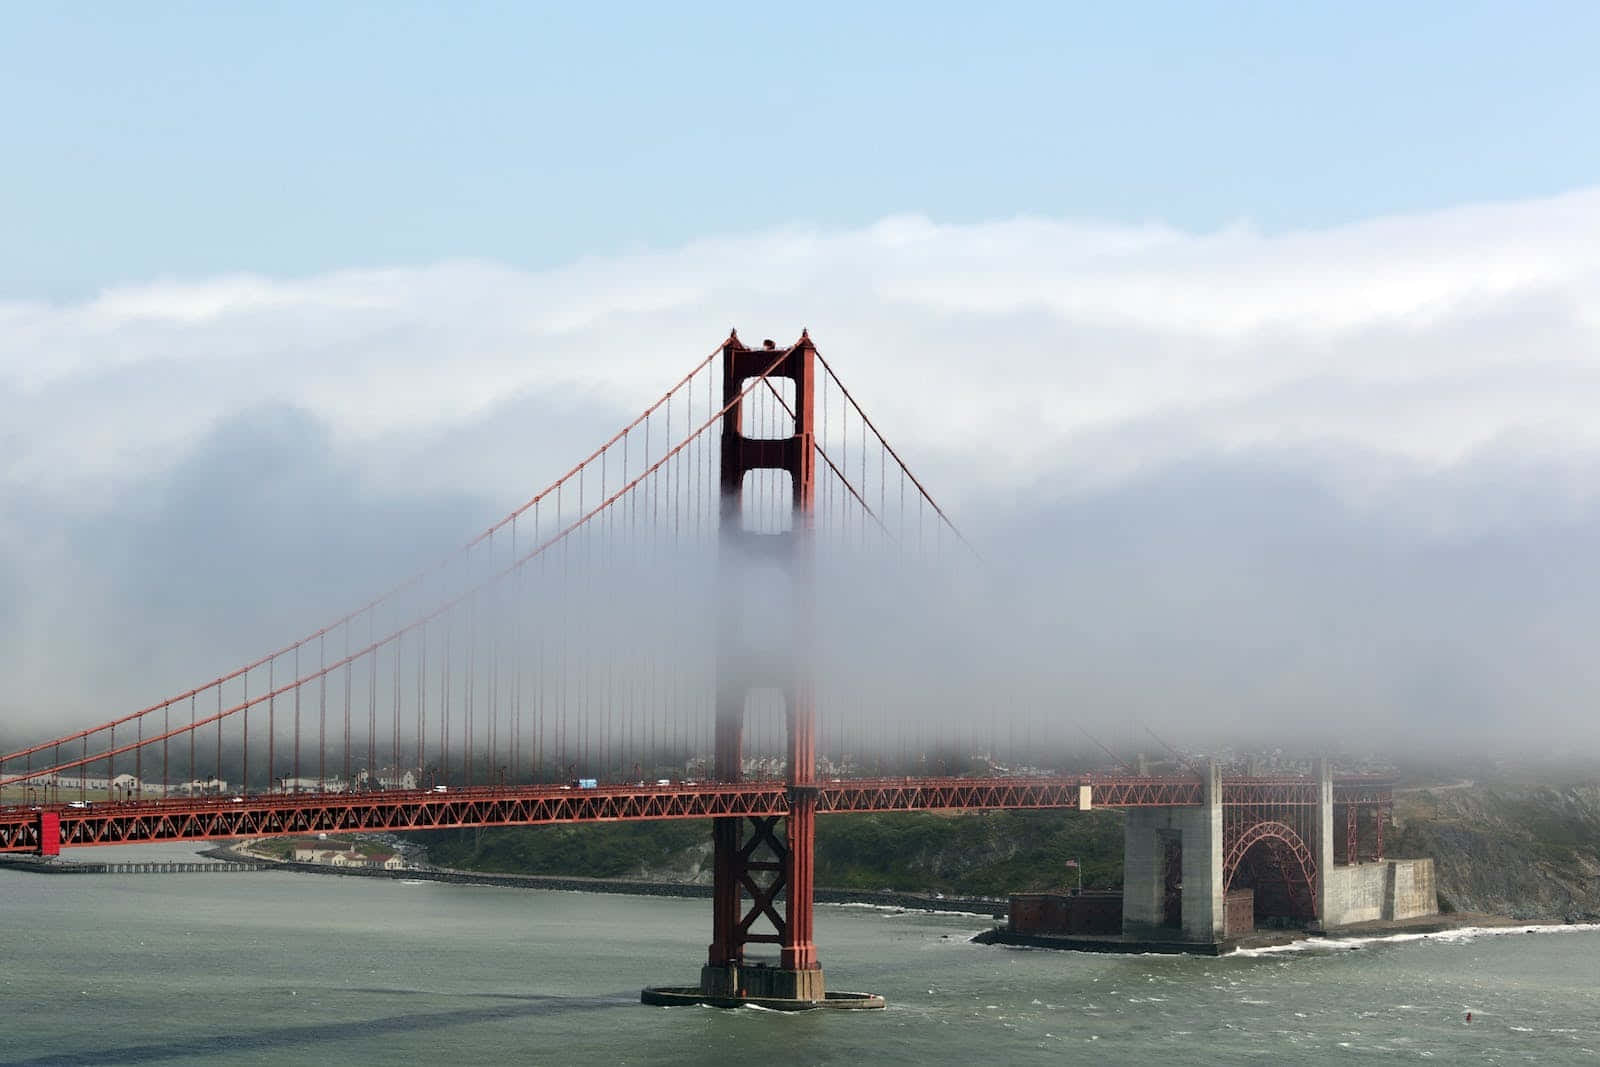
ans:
(958, 914)
(895, 910)
(1459, 935)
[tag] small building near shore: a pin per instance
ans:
(1095, 913)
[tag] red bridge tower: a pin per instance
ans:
(759, 861)
(763, 864)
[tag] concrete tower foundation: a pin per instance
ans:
(1172, 870)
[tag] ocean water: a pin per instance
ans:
(277, 968)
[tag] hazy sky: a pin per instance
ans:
(1269, 335)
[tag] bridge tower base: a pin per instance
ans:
(676, 996)
(1172, 886)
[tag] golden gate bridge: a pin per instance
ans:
(657, 635)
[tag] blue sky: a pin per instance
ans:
(185, 140)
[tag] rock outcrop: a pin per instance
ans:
(1530, 852)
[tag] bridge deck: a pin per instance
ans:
(257, 815)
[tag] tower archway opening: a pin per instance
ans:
(1272, 868)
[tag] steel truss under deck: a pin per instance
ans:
(273, 815)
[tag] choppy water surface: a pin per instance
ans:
(284, 969)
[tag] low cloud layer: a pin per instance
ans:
(1349, 471)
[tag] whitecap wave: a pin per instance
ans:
(1459, 935)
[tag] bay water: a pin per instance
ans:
(281, 968)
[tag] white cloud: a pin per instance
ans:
(1436, 373)
(1014, 343)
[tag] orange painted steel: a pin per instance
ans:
(268, 815)
(741, 872)
(1288, 852)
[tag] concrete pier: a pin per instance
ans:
(761, 985)
(1322, 846)
(1187, 903)
(1152, 839)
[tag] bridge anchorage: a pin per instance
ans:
(759, 861)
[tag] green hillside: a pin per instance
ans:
(988, 853)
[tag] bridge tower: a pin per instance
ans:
(760, 861)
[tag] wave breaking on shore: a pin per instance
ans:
(1459, 935)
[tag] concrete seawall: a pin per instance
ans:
(1385, 890)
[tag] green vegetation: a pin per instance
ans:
(280, 848)
(1557, 833)
(985, 854)
(990, 853)
(606, 850)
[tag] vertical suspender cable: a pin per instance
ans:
(542, 628)
(372, 702)
(422, 701)
(600, 634)
(492, 750)
(297, 688)
(516, 651)
(322, 712)
(395, 703)
(444, 700)
(469, 734)
(347, 683)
